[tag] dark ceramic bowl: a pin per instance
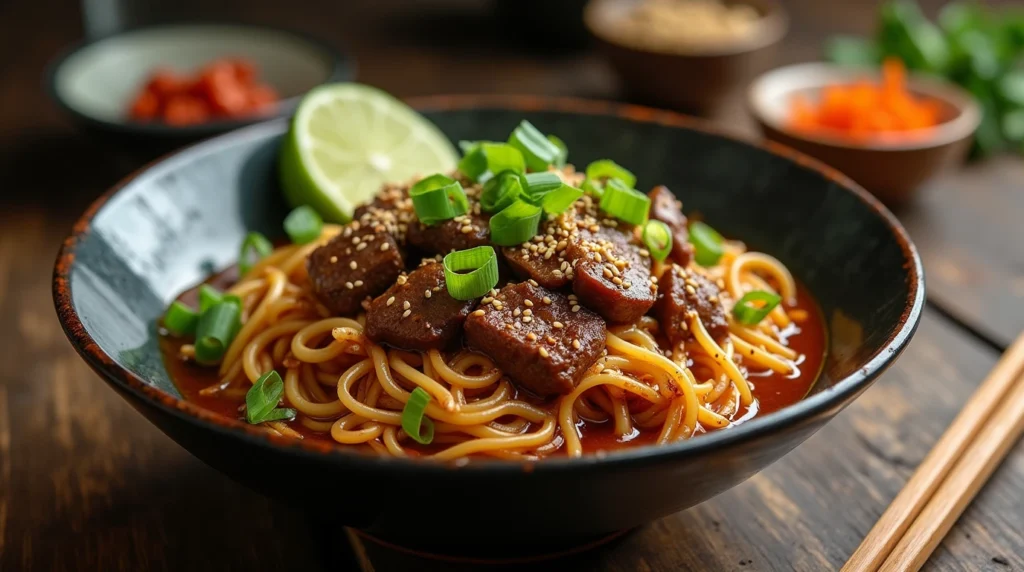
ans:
(894, 170)
(170, 225)
(697, 80)
(95, 82)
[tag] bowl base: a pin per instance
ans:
(389, 555)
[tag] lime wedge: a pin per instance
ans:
(347, 140)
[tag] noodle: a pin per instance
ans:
(354, 390)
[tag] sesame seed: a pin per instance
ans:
(467, 229)
(529, 303)
(426, 293)
(406, 313)
(527, 320)
(508, 326)
(478, 313)
(390, 301)
(487, 300)
(547, 300)
(543, 353)
(576, 308)
(607, 273)
(353, 265)
(406, 304)
(349, 285)
(385, 246)
(498, 305)
(355, 240)
(516, 312)
(358, 283)
(334, 260)
(531, 336)
(558, 325)
(533, 282)
(527, 312)
(691, 290)
(576, 344)
(401, 280)
(617, 280)
(627, 284)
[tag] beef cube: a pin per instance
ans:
(392, 209)
(612, 276)
(417, 313)
(546, 259)
(450, 235)
(683, 292)
(362, 261)
(536, 338)
(666, 208)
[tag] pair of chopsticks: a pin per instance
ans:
(951, 475)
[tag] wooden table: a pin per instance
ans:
(87, 484)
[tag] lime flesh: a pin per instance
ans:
(347, 140)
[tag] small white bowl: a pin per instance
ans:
(95, 81)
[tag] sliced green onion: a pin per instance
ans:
(593, 188)
(707, 244)
(467, 146)
(537, 149)
(470, 273)
(657, 237)
(558, 200)
(755, 306)
(438, 198)
(181, 320)
(500, 191)
(625, 203)
(262, 398)
(563, 151)
(516, 224)
(417, 426)
(303, 225)
(536, 184)
(254, 247)
(487, 159)
(608, 169)
(208, 296)
(216, 328)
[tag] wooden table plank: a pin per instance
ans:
(967, 225)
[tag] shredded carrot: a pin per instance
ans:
(865, 110)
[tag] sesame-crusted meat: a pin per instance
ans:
(542, 340)
(545, 258)
(459, 233)
(682, 292)
(364, 260)
(391, 208)
(417, 313)
(613, 275)
(666, 208)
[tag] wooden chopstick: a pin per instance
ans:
(909, 503)
(961, 485)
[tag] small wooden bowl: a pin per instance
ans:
(694, 79)
(892, 170)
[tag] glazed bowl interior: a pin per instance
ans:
(98, 80)
(174, 223)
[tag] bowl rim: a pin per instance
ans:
(774, 27)
(962, 126)
(342, 67)
(757, 428)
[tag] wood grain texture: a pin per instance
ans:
(87, 484)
